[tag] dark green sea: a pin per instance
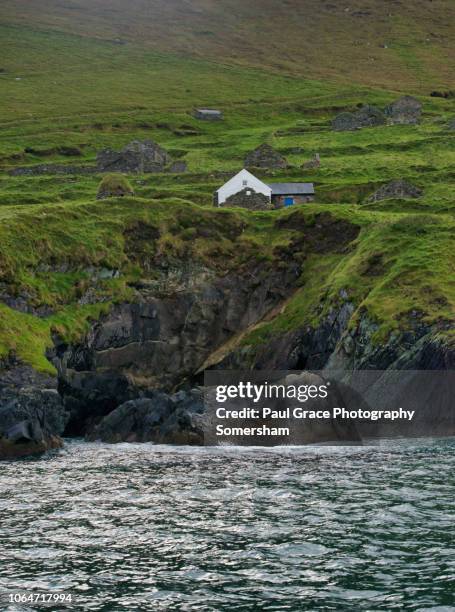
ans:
(142, 527)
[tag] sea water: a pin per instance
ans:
(143, 527)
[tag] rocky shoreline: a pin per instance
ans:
(99, 395)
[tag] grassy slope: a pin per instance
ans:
(376, 42)
(87, 93)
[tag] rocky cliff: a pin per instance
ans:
(223, 292)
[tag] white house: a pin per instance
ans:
(278, 194)
(242, 180)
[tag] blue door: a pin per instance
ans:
(289, 201)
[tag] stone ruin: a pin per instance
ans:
(405, 111)
(396, 189)
(265, 156)
(367, 116)
(250, 199)
(136, 157)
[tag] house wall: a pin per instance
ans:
(235, 184)
(247, 198)
(278, 201)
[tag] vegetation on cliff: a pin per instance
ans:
(65, 258)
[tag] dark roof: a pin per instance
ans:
(292, 188)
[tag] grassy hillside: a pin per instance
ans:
(404, 45)
(68, 89)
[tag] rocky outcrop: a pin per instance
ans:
(336, 344)
(136, 157)
(32, 417)
(396, 189)
(265, 156)
(367, 116)
(118, 382)
(250, 199)
(405, 111)
(161, 340)
(159, 418)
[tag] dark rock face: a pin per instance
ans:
(136, 157)
(396, 189)
(248, 198)
(265, 157)
(32, 417)
(158, 342)
(23, 302)
(367, 116)
(159, 418)
(406, 111)
(334, 346)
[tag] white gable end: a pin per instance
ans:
(242, 180)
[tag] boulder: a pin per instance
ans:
(159, 418)
(265, 156)
(396, 189)
(248, 198)
(367, 116)
(114, 186)
(32, 417)
(451, 125)
(136, 157)
(405, 111)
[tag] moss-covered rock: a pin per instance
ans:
(114, 185)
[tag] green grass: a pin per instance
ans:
(396, 45)
(78, 94)
(399, 263)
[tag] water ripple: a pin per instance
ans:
(145, 527)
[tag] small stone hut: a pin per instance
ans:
(136, 157)
(208, 114)
(265, 156)
(406, 111)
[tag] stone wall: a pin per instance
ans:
(248, 198)
(278, 201)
